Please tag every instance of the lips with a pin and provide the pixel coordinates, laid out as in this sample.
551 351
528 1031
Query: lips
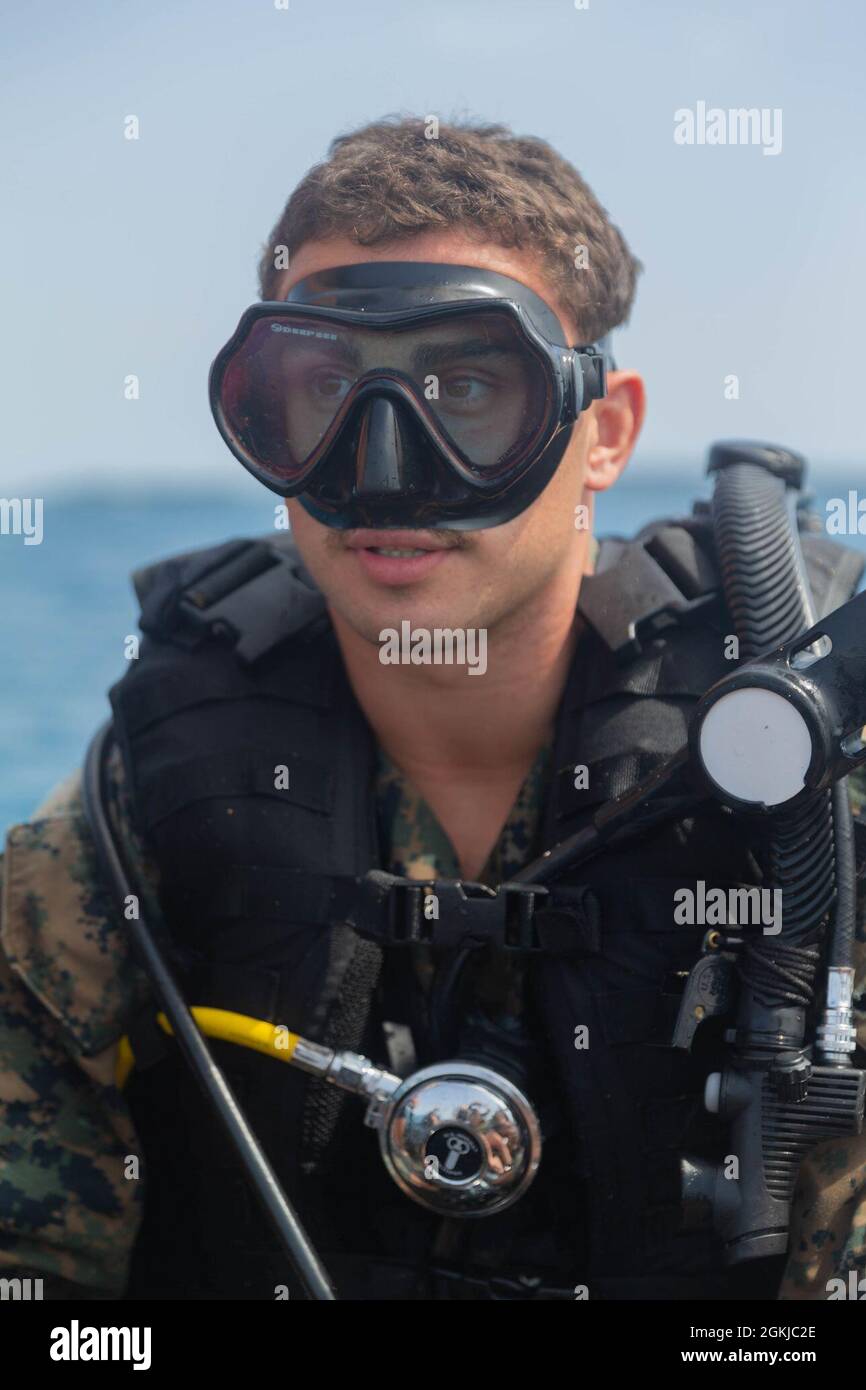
397 540
398 557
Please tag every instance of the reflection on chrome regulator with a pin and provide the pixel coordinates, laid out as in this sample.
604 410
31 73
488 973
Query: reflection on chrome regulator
456 1137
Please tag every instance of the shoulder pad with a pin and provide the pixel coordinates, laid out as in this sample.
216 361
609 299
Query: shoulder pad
669 574
252 593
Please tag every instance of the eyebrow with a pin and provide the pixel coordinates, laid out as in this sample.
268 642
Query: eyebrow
340 351
441 353
428 355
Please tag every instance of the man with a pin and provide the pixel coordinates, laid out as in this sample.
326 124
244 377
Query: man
242 776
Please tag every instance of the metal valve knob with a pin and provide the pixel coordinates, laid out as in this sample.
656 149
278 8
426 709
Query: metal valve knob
458 1138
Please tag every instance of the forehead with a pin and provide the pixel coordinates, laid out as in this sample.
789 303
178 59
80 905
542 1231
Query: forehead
448 248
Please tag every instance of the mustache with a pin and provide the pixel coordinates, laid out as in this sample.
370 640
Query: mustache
426 538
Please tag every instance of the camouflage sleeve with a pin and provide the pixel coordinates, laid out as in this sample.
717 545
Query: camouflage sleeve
828 1216
68 1212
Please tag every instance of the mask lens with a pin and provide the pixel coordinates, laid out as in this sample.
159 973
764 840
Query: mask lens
474 378
485 388
282 388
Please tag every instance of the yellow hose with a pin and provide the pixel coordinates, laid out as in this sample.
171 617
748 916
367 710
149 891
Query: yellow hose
124 1063
273 1039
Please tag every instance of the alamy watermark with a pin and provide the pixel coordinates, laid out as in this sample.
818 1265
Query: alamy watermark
438 646
21 1290
22 516
846 516
854 1289
733 907
77 1343
738 125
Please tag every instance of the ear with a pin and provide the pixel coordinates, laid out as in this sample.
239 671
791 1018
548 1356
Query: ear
616 421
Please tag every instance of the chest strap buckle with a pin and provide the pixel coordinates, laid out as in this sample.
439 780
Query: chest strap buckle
443 912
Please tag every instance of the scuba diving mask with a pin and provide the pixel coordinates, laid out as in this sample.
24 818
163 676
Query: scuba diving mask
404 394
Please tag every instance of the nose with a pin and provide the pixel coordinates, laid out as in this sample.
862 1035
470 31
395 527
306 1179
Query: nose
388 455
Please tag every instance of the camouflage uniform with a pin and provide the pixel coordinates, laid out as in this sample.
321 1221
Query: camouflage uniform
69 1212
67 988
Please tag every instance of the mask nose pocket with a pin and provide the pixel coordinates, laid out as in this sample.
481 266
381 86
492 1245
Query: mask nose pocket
383 453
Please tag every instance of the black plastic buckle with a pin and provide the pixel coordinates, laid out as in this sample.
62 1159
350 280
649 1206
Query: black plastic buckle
248 600
593 365
635 600
210 603
448 912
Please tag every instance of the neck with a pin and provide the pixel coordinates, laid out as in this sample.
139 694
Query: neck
439 723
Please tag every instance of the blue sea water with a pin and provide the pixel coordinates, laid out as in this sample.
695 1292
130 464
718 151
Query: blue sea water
67 605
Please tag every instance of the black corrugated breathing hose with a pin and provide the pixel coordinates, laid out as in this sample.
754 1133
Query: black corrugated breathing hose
810 851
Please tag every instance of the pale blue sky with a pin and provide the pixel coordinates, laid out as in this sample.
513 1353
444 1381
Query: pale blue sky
138 257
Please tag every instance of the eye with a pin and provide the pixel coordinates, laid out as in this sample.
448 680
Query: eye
466 390
329 386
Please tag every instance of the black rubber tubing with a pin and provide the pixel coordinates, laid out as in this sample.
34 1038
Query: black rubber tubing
768 595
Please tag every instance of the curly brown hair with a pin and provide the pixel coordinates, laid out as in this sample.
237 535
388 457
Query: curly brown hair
393 179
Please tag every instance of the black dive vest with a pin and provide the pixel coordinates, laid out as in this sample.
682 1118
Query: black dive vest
240 675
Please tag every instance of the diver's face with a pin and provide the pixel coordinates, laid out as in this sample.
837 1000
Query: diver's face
461 579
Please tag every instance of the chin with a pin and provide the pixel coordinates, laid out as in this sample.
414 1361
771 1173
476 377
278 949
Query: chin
371 620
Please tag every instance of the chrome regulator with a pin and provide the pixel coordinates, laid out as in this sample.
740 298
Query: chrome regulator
456 1137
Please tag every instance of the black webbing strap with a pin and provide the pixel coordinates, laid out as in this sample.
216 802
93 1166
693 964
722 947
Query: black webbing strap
401 912
172 691
239 773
